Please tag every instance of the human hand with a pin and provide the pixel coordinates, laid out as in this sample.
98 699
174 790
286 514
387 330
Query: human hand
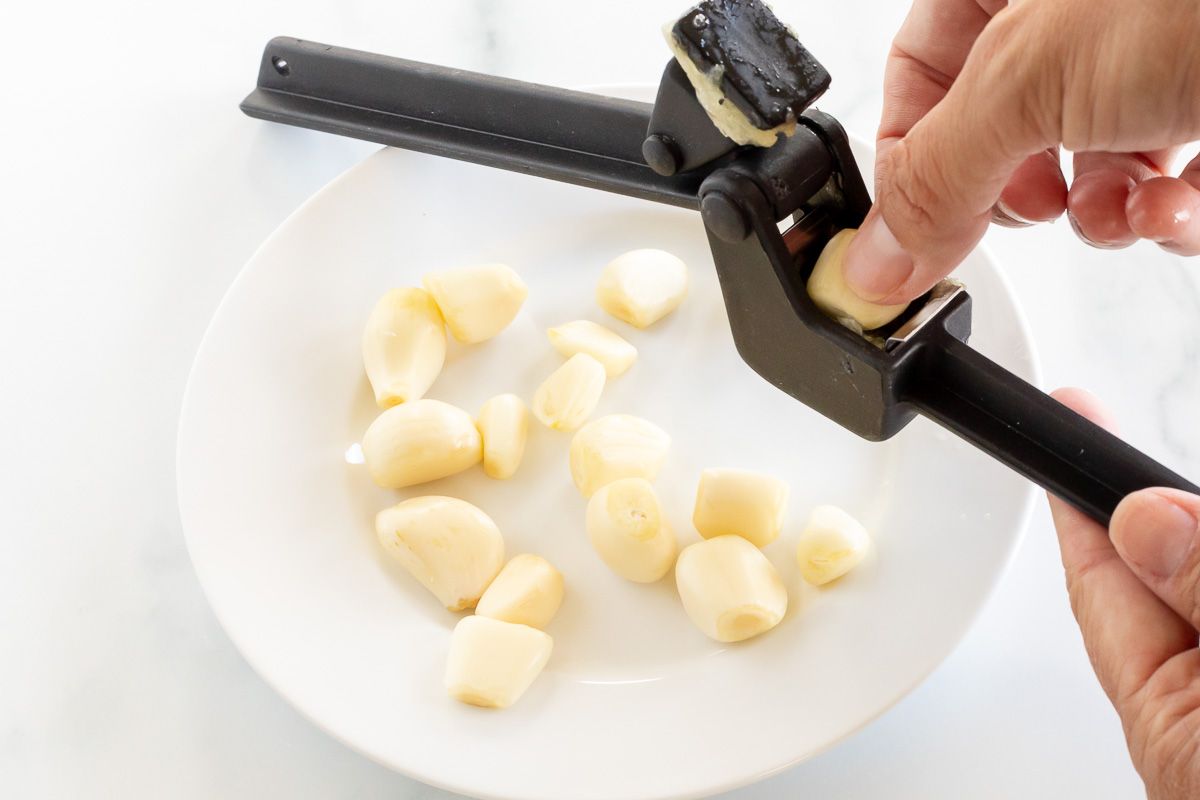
1135 590
978 97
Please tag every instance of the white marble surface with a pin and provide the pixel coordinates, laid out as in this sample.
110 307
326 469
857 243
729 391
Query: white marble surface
132 190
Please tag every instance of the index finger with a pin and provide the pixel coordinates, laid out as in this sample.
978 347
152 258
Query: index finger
926 56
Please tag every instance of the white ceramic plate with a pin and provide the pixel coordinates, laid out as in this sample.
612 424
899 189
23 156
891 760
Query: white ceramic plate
635 702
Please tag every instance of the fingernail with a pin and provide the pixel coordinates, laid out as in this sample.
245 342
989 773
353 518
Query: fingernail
1163 210
1078 230
1154 533
876 264
1092 242
1002 214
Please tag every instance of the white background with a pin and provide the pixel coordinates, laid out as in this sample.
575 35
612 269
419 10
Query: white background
132 190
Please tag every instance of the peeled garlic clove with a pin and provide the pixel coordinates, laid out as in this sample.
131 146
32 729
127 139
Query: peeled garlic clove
477 301
628 530
833 543
492 663
742 503
403 346
616 446
569 396
504 425
584 336
420 441
729 589
449 545
642 286
528 591
827 288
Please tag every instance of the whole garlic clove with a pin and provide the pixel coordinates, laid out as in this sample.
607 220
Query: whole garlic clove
740 502
827 288
569 396
528 591
492 663
729 589
477 301
584 336
503 423
832 544
403 346
626 526
642 286
449 545
616 446
420 441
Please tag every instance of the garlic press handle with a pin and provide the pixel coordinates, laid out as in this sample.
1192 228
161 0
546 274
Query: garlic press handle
577 137
1034 434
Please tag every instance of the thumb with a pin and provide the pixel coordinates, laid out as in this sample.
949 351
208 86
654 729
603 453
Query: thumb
1157 533
935 188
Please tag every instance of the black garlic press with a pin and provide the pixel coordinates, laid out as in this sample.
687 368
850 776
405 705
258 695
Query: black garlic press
739 80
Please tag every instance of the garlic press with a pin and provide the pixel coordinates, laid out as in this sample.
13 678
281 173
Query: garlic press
732 134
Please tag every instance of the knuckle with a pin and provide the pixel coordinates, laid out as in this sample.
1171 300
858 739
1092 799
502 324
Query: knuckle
908 193
1169 750
1164 734
1019 59
1080 571
1193 595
